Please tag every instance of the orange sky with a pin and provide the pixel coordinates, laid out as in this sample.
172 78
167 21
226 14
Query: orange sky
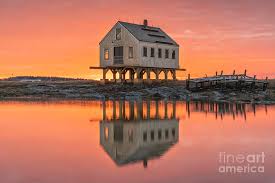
60 38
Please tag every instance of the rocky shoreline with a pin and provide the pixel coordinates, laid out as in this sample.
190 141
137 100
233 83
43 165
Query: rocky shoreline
92 90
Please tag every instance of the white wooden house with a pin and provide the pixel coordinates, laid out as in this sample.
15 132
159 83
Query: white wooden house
138 49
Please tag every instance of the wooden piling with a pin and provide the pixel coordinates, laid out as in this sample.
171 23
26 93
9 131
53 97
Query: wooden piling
187 81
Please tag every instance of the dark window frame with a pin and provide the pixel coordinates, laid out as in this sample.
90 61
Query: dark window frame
159 134
106 50
152 52
166 134
152 135
166 53
131 135
145 136
145 51
160 53
131 49
118 33
173 132
173 54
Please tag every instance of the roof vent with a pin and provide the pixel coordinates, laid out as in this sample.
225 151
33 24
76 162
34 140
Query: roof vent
145 22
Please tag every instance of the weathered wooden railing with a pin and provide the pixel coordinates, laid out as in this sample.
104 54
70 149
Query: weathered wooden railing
224 82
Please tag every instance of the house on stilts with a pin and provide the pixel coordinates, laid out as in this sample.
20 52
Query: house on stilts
140 51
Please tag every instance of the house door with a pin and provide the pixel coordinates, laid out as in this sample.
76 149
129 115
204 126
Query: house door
118 55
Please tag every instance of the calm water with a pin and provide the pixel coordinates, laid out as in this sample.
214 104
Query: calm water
132 141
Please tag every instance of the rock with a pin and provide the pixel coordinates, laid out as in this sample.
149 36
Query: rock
158 96
160 93
93 90
232 94
93 96
133 95
198 96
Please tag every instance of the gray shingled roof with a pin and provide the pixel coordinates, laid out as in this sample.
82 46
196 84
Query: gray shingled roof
148 33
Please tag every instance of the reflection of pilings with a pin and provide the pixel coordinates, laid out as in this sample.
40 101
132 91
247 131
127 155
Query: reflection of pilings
212 106
157 109
202 106
104 110
254 109
221 109
197 105
114 109
123 110
174 109
165 109
131 110
232 109
216 110
188 108
139 110
244 111
148 109
120 110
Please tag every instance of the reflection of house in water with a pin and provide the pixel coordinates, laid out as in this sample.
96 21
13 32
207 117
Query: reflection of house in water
137 137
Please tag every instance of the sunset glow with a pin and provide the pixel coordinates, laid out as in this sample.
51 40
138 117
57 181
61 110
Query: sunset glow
61 38
60 142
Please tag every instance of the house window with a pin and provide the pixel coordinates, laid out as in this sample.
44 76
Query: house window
118 33
106 54
144 136
118 133
159 134
166 134
152 135
159 52
145 51
174 54
131 135
106 133
131 52
166 53
152 52
173 132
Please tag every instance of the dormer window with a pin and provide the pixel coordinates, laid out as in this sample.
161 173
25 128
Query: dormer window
118 33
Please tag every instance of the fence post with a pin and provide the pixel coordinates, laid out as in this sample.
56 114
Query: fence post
187 81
